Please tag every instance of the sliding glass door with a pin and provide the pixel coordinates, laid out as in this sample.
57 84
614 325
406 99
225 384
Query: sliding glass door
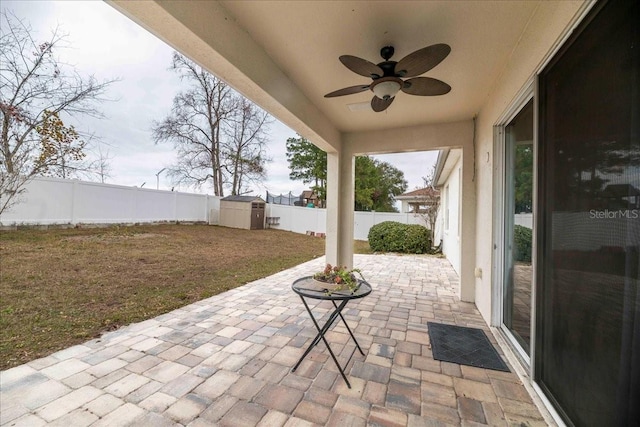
587 351
518 227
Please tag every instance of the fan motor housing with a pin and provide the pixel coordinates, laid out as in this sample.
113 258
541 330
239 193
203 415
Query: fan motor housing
388 67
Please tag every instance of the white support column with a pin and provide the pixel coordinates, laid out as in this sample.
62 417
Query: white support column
340 184
468 227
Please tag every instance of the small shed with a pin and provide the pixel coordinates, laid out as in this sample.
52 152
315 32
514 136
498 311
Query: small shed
242 212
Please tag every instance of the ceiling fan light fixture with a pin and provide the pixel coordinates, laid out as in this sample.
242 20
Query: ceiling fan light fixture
386 87
387 75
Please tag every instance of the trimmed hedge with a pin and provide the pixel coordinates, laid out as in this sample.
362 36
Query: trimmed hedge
522 238
391 236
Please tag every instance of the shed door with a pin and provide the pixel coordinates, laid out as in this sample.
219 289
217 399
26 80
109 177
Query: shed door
257 216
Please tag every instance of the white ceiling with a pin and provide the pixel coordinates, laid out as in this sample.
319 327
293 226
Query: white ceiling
305 40
284 54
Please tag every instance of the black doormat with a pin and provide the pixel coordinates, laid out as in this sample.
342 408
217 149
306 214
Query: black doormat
465 346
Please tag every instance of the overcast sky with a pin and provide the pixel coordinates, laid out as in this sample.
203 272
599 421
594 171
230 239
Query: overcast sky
105 43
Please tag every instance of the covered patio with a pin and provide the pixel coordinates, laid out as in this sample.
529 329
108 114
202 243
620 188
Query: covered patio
515 70
226 360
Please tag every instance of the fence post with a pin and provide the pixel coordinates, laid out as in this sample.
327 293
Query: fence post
134 212
74 195
175 206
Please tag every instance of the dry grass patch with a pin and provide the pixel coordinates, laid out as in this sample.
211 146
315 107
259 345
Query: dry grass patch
361 247
61 287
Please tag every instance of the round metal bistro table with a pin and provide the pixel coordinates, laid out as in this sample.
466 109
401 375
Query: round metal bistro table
308 288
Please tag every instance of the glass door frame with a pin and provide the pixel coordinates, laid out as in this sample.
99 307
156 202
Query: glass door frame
500 221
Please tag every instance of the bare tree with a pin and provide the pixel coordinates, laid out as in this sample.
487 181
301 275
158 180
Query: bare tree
100 166
12 188
218 135
245 152
35 89
431 202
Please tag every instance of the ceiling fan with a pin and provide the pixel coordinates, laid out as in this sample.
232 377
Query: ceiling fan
388 75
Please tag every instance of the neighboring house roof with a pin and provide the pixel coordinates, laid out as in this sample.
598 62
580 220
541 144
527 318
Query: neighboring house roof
309 194
245 199
418 194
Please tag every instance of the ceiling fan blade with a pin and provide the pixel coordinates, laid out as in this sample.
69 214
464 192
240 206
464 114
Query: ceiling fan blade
378 104
361 66
425 86
422 60
347 91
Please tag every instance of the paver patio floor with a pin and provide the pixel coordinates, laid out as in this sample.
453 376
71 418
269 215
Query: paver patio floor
226 361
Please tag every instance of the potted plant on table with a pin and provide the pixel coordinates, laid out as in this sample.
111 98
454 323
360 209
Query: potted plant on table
338 278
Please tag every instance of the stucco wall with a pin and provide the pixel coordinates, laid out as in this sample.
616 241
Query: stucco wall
451 227
546 30
433 137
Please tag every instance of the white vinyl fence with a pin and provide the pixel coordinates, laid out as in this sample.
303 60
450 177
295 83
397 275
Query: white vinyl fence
60 201
301 220
525 219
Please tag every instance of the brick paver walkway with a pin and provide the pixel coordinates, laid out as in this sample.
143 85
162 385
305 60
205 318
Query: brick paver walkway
226 361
